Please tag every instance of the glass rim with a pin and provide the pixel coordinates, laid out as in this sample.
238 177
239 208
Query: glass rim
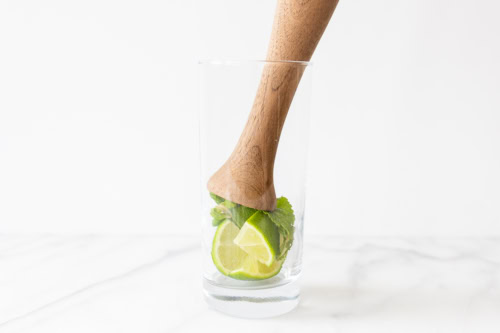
230 62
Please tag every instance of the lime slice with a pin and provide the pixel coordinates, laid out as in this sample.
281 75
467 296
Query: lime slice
260 238
232 261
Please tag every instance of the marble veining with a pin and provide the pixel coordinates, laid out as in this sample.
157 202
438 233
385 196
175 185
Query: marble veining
117 283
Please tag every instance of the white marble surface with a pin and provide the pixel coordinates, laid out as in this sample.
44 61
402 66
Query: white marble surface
96 283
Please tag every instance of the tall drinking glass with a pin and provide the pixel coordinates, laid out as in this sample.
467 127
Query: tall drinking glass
251 259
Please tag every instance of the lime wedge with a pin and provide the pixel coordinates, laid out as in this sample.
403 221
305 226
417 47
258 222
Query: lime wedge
254 270
260 238
232 261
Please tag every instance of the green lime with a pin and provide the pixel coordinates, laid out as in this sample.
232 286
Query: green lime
232 261
260 238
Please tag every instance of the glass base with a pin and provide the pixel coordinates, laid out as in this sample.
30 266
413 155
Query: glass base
266 302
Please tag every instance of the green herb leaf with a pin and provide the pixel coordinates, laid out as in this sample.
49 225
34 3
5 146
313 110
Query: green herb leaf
226 209
216 198
218 215
221 212
284 218
240 214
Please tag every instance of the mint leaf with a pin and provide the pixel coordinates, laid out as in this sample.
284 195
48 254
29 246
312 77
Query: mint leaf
222 212
284 218
240 214
226 209
228 204
216 198
218 215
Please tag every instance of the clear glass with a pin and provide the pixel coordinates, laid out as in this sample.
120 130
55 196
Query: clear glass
227 92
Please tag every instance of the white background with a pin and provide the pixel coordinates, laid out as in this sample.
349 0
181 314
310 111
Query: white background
98 104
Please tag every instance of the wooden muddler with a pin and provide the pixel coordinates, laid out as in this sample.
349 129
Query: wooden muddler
247 176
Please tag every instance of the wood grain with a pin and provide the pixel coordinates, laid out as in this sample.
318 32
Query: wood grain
247 176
